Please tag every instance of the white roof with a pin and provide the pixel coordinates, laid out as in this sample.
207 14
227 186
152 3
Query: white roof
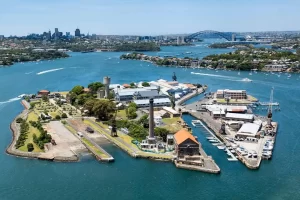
249 129
223 107
171 110
125 92
239 116
156 101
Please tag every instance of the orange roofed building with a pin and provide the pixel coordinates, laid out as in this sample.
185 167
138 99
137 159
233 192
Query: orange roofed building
44 92
186 144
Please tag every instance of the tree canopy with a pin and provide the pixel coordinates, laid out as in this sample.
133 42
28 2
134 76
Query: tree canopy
95 86
103 108
77 90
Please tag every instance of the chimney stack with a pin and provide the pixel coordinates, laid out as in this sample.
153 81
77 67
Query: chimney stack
151 120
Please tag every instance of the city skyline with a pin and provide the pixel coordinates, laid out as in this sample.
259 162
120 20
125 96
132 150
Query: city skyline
132 17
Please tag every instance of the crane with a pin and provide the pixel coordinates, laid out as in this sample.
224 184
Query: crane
270 108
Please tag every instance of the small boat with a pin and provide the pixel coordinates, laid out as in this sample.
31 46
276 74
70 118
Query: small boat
22 96
221 147
210 138
216 144
213 141
246 80
232 151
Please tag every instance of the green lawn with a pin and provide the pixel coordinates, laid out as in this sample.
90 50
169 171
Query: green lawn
31 117
121 114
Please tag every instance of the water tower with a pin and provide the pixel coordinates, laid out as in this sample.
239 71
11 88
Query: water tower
106 82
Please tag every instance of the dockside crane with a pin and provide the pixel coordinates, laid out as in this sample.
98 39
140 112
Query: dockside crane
270 114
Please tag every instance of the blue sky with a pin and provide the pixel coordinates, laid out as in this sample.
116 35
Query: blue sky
151 17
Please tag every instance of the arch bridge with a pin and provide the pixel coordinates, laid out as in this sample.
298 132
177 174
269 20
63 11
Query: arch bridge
229 36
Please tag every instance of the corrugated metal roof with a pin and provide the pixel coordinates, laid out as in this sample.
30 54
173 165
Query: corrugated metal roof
249 128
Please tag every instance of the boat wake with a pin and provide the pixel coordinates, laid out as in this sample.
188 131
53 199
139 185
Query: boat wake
48 71
213 75
10 100
28 73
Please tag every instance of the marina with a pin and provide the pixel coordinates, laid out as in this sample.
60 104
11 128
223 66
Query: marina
215 140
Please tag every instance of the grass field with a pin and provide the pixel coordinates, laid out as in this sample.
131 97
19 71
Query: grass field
31 117
171 124
121 114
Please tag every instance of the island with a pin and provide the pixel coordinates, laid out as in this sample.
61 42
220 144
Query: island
11 56
140 118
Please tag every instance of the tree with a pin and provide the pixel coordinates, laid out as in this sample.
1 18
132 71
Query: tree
82 98
30 147
103 108
132 113
298 51
143 119
95 86
132 85
77 90
162 132
64 115
111 95
19 120
72 97
57 117
45 98
89 104
145 84
132 104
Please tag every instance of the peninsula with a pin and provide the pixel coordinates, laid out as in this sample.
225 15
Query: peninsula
11 56
249 59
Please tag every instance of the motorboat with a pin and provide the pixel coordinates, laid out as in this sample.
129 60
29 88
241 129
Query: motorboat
213 141
210 138
246 80
22 96
221 147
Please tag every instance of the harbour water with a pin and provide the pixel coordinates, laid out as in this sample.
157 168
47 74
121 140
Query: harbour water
129 178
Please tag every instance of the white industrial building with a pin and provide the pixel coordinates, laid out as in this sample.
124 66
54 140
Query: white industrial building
248 130
221 110
239 117
232 94
157 102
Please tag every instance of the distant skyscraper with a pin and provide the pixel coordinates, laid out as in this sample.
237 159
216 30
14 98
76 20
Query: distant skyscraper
49 35
68 34
77 32
1 37
56 33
